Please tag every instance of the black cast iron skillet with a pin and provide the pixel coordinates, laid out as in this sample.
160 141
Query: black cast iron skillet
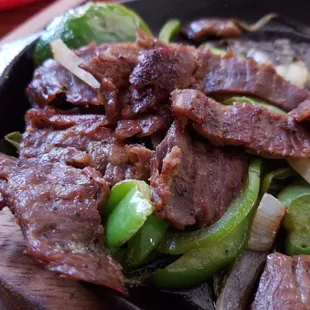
18 74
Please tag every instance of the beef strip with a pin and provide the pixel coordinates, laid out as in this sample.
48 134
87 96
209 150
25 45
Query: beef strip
144 125
112 68
81 141
233 75
51 80
285 283
192 181
56 207
258 129
214 27
158 72
161 70
302 112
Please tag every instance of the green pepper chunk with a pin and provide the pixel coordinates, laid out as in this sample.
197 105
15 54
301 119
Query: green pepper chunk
145 240
180 243
297 219
217 51
199 264
128 215
279 174
14 138
253 101
169 30
92 22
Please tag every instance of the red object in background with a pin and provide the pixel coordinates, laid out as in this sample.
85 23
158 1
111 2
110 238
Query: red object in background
9 4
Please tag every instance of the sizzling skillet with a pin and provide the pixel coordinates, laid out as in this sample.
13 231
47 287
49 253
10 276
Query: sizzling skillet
18 74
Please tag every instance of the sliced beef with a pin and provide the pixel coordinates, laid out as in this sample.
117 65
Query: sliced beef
144 125
192 181
51 80
112 69
258 129
212 27
82 141
302 112
56 207
232 75
285 284
159 71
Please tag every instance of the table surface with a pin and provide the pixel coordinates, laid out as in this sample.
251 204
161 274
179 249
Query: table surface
14 17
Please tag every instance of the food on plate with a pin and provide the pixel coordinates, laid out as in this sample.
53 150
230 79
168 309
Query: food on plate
175 161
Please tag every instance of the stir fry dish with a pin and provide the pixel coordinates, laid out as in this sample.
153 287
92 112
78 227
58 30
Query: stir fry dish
194 159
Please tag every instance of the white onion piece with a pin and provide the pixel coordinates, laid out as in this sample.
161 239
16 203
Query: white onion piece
259 56
71 62
302 166
266 223
296 73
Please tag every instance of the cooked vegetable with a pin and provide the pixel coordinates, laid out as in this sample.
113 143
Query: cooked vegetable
92 22
302 166
266 224
279 174
128 215
179 243
297 220
198 264
14 138
253 101
241 281
145 240
117 193
297 73
258 25
170 30
71 61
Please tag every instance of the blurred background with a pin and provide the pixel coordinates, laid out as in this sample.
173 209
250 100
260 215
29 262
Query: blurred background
15 12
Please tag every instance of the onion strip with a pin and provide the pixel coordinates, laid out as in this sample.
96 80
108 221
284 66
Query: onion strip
71 62
266 223
259 24
302 166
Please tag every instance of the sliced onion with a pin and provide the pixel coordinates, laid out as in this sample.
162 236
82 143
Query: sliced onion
259 24
302 166
296 73
266 223
71 62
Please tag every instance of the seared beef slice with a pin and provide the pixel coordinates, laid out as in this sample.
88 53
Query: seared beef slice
57 209
82 141
192 181
285 284
258 129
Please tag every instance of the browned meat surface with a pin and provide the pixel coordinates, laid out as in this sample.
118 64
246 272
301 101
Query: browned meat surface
302 112
52 79
144 125
235 76
158 72
213 27
259 130
57 209
285 284
82 141
192 181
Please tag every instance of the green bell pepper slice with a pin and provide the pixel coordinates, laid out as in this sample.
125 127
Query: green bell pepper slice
253 101
297 219
145 241
92 22
169 30
199 264
279 174
14 138
180 243
129 213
